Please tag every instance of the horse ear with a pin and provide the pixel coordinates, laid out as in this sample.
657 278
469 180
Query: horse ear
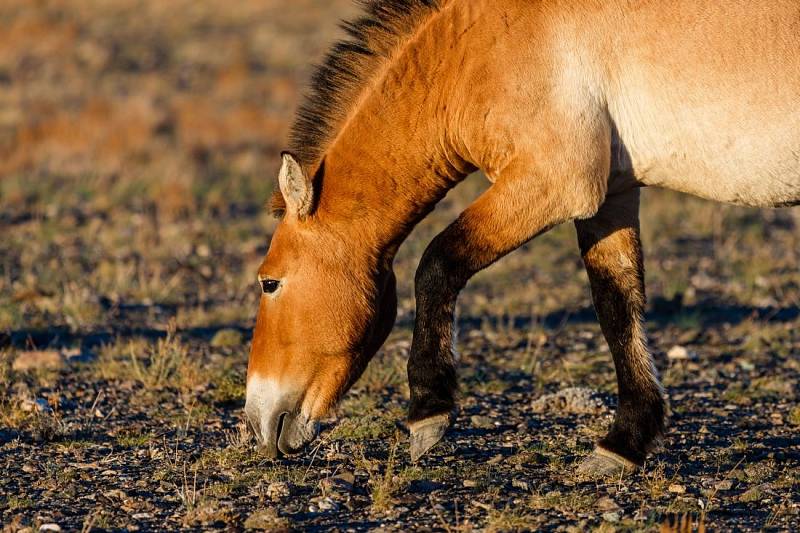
296 188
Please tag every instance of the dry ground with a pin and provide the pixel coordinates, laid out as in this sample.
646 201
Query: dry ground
138 141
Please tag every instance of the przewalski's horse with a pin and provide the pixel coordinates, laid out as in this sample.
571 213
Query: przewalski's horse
568 106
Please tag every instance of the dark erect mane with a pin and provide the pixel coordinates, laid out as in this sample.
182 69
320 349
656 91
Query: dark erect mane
348 66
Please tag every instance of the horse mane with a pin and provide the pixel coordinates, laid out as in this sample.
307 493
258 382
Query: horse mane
340 79
348 66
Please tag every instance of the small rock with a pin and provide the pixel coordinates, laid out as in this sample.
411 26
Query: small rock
678 353
267 519
481 422
142 516
115 494
677 488
50 527
725 484
321 505
277 490
751 495
520 484
38 360
612 517
470 483
484 506
606 504
746 365
227 338
573 400
343 483
39 405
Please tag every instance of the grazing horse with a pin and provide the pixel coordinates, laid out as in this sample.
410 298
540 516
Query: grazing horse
568 107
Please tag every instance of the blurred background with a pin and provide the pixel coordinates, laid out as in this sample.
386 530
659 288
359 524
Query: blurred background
138 147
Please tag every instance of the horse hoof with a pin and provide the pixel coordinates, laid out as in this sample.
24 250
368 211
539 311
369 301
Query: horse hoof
426 433
605 464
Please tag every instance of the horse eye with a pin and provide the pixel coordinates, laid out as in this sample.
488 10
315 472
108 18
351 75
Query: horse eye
268 286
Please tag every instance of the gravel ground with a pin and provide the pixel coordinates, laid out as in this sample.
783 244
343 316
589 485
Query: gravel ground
120 454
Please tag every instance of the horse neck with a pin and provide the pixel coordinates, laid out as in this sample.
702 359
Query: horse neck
396 157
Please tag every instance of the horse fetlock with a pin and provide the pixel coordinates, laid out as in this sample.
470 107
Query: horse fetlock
637 430
426 433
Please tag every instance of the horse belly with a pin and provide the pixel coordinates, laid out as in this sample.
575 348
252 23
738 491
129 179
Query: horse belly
721 151
744 171
713 109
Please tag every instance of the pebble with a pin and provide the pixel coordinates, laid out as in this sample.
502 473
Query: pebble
267 519
606 504
746 365
520 484
50 527
612 517
481 422
677 488
679 353
573 400
277 490
725 484
39 405
323 504
470 483
115 494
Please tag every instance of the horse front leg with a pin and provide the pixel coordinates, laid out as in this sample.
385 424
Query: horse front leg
612 254
521 204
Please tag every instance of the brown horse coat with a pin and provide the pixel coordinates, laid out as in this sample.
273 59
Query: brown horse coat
568 107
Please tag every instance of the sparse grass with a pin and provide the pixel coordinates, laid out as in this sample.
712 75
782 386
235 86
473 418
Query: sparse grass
229 389
385 487
794 416
16 503
509 518
363 419
167 363
133 439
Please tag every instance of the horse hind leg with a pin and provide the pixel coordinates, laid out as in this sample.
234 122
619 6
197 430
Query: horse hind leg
611 250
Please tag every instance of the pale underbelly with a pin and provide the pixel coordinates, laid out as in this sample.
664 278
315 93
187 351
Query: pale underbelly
752 172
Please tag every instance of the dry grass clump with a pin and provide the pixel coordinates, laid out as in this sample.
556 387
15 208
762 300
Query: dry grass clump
166 363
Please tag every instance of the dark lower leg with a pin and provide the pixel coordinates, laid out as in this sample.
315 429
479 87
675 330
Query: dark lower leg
611 251
510 213
431 365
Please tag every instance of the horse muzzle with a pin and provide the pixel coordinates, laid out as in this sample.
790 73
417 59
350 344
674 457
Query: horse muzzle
275 419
